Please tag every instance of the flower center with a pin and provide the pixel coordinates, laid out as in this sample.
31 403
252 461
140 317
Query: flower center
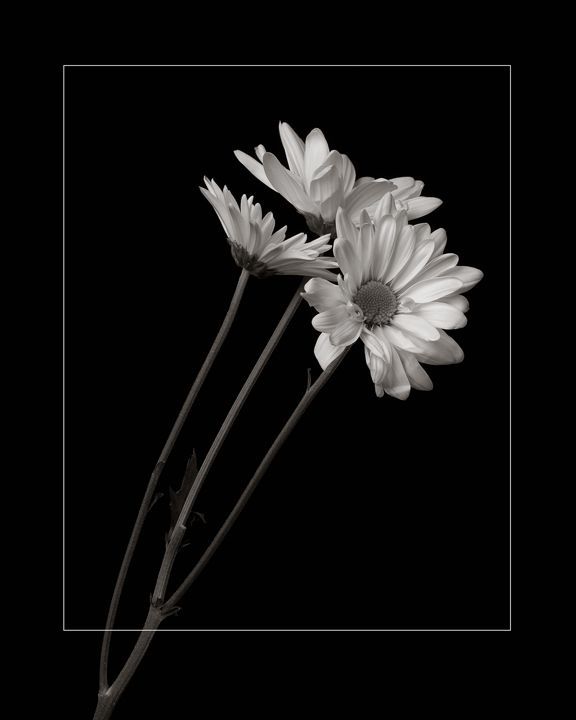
377 301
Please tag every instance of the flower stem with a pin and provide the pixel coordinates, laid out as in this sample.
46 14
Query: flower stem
107 699
153 482
180 526
301 408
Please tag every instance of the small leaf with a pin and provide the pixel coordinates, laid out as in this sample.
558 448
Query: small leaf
178 497
158 496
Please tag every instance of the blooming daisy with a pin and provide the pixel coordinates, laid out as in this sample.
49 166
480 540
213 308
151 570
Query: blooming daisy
407 196
399 294
318 181
257 248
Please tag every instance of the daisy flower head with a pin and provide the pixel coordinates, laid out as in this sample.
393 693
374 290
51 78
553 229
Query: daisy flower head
257 248
399 292
317 181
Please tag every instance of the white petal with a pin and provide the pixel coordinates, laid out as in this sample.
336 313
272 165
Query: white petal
384 206
365 195
468 276
322 294
459 301
418 377
384 240
349 260
315 152
345 227
293 147
415 325
398 339
432 289
396 382
442 315
405 187
328 320
326 190
366 246
260 150
435 267
423 232
348 175
444 351
439 237
376 365
286 184
326 352
254 166
414 265
420 206
403 251
346 332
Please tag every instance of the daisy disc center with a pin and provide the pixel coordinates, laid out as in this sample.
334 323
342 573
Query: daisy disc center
377 301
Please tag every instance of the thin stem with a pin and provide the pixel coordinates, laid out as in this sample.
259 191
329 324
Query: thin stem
107 699
180 526
153 482
301 408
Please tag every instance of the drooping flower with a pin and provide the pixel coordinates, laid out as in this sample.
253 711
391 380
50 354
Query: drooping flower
407 196
317 181
399 293
257 248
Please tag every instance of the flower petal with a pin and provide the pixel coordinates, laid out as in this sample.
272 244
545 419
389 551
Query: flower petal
396 382
345 228
349 260
405 188
348 175
286 184
459 301
376 344
384 241
365 195
403 251
415 325
435 268
293 147
322 294
398 339
325 352
254 166
444 351
328 320
415 264
468 276
439 237
442 315
432 289
346 332
420 206
419 378
315 152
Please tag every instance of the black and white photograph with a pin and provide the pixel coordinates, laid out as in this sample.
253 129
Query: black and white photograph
287 362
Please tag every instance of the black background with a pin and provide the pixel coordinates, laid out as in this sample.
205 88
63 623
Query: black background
377 513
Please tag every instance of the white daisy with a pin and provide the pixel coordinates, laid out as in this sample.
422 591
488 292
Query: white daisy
407 196
318 181
257 248
399 293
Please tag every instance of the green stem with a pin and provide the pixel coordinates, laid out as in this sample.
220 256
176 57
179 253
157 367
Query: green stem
153 482
180 526
301 408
